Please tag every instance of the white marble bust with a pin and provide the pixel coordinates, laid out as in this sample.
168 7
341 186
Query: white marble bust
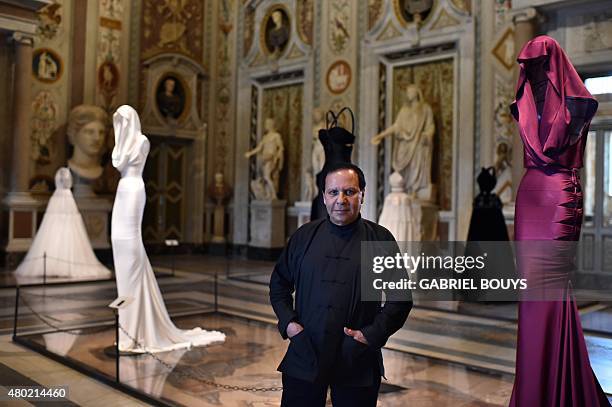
87 133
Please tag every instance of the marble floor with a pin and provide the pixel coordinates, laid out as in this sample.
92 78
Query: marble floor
462 354
249 358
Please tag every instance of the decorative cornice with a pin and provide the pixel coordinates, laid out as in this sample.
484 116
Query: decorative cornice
23 38
523 15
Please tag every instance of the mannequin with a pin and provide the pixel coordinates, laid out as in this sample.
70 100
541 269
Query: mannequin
145 318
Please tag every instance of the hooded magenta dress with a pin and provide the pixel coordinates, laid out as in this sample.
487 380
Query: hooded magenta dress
553 110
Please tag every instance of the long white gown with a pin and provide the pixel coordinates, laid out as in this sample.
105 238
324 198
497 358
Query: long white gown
145 318
63 238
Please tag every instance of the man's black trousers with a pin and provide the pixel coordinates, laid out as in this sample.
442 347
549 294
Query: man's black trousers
298 393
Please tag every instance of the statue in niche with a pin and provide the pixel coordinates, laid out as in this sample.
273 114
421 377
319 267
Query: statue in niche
317 158
269 162
414 129
277 32
87 133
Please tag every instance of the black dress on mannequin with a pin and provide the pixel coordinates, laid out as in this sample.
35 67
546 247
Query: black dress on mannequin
487 223
338 146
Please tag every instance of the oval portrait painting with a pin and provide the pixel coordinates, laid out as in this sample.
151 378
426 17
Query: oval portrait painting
276 30
170 96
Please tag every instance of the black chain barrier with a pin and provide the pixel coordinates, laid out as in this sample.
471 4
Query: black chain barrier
139 345
197 378
77 263
59 329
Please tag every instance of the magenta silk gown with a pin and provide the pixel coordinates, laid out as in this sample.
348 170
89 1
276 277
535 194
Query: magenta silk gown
553 110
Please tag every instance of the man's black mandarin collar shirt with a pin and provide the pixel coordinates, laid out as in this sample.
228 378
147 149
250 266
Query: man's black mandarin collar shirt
321 264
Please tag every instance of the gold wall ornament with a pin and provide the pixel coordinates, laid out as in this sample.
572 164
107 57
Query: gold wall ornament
305 21
505 49
339 25
44 123
50 17
375 8
444 20
463 5
249 29
172 26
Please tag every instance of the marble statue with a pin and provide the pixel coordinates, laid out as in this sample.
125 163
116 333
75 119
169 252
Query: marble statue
317 158
87 133
145 318
413 129
269 162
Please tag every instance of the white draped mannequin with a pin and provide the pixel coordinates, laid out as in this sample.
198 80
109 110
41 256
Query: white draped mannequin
145 318
397 211
63 238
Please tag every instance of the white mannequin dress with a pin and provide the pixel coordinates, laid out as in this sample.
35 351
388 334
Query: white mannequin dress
63 238
397 213
145 318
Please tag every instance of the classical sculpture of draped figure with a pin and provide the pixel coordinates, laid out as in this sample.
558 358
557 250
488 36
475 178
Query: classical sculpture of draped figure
413 129
553 110
145 318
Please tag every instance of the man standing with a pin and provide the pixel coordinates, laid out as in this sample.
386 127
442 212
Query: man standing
335 338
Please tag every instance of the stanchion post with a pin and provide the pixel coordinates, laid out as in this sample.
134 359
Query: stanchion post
45 268
117 343
16 312
173 248
216 291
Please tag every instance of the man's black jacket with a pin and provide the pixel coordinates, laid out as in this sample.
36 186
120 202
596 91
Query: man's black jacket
321 263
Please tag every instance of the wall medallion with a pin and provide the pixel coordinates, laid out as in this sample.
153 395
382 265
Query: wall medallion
338 77
46 65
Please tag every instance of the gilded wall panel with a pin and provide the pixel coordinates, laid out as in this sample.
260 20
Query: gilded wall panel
305 22
172 26
375 9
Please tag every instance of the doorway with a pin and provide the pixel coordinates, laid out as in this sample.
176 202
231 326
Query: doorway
596 255
164 177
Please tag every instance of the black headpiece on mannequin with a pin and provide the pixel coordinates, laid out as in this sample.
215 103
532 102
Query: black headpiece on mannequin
338 146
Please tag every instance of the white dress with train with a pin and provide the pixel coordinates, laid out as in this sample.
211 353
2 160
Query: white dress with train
61 247
145 318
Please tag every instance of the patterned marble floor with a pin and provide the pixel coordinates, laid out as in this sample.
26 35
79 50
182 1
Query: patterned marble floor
249 358
442 354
